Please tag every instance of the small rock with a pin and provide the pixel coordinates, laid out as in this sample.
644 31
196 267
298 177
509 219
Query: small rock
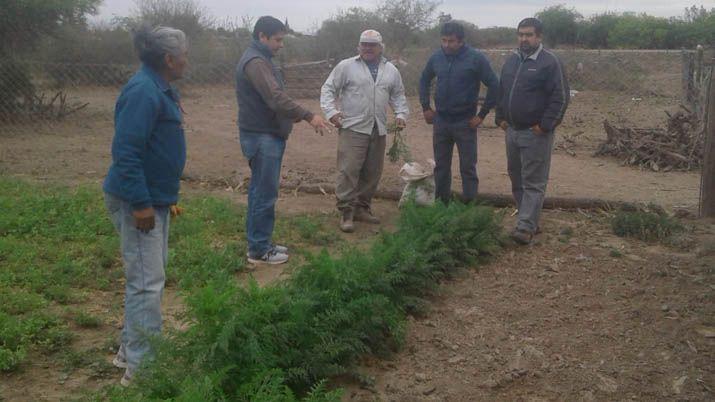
421 377
607 384
678 384
429 391
456 359
708 332
490 383
635 258
665 308
587 396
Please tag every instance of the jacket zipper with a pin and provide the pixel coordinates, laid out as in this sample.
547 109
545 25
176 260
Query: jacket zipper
511 93
449 79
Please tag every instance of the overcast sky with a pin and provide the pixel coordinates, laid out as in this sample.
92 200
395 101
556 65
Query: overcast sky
305 15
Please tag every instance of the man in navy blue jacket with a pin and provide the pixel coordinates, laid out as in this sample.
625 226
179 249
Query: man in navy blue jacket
533 96
460 70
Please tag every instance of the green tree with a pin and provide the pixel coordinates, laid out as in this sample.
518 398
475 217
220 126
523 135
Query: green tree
23 22
338 35
594 32
642 32
404 19
186 15
560 25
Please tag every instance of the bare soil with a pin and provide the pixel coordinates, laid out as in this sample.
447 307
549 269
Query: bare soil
580 315
78 150
585 317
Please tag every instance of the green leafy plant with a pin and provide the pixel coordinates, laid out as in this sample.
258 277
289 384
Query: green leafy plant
645 225
399 149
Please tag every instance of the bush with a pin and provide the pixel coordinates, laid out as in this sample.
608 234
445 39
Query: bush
645 225
15 89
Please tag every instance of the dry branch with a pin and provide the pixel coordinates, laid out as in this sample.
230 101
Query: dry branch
678 146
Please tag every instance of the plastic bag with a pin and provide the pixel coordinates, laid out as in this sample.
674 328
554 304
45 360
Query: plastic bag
419 183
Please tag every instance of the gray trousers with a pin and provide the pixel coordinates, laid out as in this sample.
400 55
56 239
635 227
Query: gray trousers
528 162
360 161
445 135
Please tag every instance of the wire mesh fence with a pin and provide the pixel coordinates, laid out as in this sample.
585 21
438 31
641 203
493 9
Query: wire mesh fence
34 92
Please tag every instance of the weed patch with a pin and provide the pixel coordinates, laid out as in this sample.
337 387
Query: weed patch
645 225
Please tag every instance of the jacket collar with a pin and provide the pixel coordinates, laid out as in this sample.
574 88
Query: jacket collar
460 52
158 80
383 60
263 49
534 55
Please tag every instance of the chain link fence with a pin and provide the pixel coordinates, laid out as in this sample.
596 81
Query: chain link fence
33 93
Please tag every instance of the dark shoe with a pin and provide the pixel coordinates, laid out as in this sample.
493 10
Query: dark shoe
365 215
346 222
521 236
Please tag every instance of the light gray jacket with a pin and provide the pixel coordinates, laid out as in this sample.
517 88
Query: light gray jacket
350 90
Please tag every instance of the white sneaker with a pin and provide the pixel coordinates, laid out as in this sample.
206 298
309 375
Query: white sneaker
272 257
277 247
126 379
120 359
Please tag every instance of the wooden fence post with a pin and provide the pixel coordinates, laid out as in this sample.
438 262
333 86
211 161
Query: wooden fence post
707 182
687 77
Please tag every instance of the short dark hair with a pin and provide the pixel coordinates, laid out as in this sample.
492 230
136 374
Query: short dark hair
268 26
532 22
452 28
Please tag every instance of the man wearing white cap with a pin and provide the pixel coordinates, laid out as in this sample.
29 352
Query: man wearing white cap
355 98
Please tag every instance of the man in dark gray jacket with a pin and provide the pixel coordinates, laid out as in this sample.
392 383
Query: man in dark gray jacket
531 102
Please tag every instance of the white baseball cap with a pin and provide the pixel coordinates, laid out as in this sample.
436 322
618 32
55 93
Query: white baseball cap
371 36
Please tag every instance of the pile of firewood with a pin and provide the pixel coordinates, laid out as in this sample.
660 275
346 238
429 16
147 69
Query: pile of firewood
677 147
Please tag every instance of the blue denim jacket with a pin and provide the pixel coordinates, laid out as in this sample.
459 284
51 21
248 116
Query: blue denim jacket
149 149
458 81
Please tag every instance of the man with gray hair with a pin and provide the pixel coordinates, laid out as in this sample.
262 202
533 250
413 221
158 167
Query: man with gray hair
142 185
355 98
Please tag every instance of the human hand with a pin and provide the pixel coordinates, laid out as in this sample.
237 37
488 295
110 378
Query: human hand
475 122
319 124
337 120
429 116
536 129
144 219
175 211
504 125
400 123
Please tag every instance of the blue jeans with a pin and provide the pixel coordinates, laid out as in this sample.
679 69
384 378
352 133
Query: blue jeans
145 256
265 156
445 135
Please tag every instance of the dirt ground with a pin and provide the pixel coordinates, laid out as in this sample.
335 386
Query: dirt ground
78 150
580 315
